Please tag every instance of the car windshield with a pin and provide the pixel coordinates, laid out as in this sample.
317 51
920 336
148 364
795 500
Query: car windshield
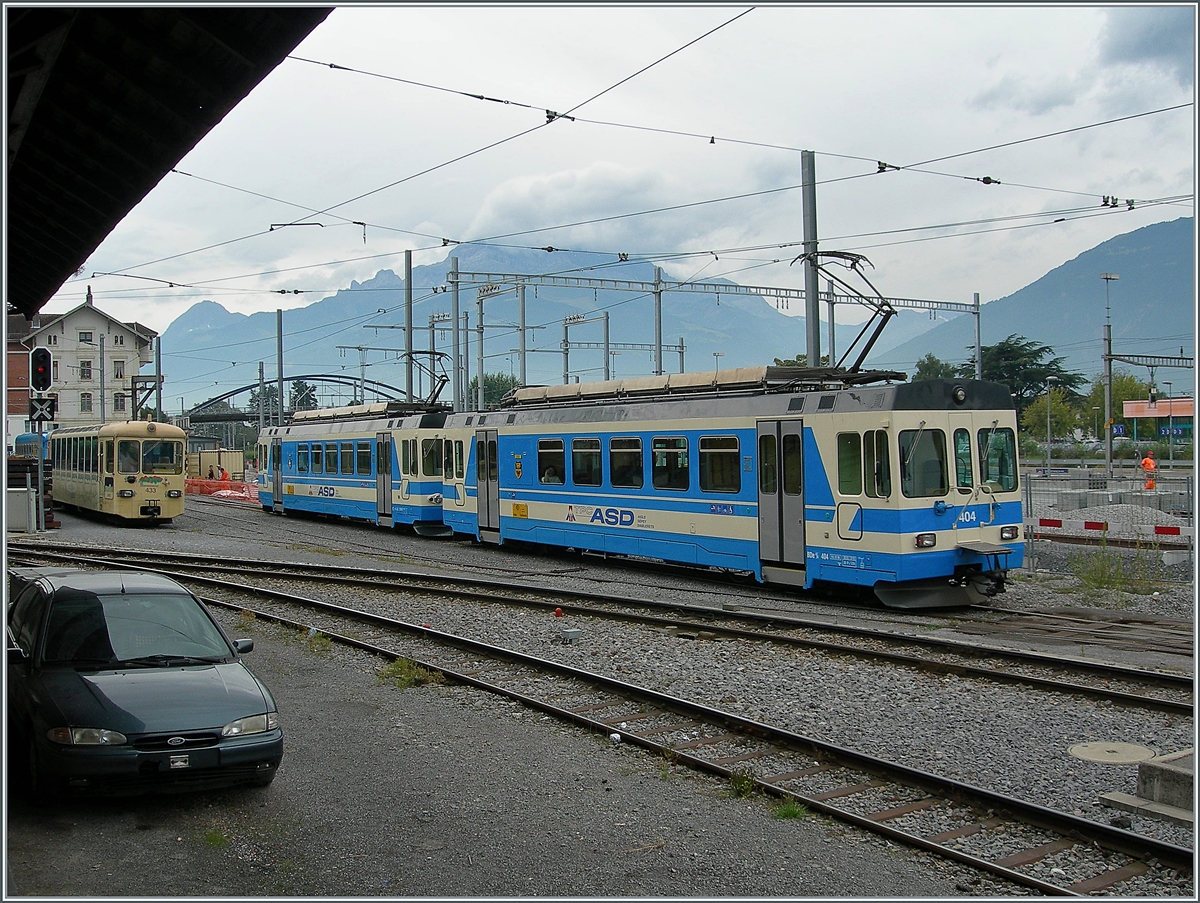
139 629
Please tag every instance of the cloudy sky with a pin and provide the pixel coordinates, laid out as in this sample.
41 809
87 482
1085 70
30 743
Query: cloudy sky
686 137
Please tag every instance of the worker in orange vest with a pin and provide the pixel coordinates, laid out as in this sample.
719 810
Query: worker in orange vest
1150 467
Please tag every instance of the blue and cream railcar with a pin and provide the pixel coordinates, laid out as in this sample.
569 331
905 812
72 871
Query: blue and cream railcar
908 490
31 445
131 470
367 462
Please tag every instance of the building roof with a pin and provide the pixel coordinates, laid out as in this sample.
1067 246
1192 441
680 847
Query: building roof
102 102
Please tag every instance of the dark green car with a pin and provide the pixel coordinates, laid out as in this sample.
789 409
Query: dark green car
122 682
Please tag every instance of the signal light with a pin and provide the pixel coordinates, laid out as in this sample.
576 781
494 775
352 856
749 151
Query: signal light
41 364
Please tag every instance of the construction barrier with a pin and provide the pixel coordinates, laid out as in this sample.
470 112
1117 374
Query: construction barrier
1099 526
233 490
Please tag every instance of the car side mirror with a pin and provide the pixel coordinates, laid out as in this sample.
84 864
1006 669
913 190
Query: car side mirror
243 645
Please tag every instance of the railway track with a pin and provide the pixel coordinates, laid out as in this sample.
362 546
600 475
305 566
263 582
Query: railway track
1049 851
1155 690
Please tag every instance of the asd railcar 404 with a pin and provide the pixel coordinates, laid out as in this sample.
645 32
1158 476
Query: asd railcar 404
131 470
907 490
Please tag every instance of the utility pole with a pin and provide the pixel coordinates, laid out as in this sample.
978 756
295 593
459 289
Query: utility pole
978 342
454 358
408 326
658 366
1108 417
101 377
812 310
521 329
279 359
261 389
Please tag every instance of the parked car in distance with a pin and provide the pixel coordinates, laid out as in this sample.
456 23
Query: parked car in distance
123 682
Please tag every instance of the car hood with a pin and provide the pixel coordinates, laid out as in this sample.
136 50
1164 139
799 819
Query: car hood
153 700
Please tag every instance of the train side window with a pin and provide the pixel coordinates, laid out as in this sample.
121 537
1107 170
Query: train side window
404 456
458 458
129 456
877 465
998 458
551 460
363 451
585 462
317 461
331 458
850 464
625 468
276 454
448 460
669 462
413 459
108 456
768 465
793 472
302 458
720 461
962 459
923 463
347 457
431 457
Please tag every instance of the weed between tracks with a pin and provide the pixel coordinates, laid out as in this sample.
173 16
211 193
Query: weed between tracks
741 783
404 673
1107 568
790 808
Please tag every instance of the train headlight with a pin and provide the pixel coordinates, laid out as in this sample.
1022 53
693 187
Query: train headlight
125 493
926 540
959 394
1007 533
174 494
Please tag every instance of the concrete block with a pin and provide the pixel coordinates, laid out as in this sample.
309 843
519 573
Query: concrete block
1172 558
1072 499
1139 806
1168 779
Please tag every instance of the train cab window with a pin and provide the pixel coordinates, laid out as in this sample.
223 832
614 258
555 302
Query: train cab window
998 458
551 461
404 456
625 468
923 463
877 464
431 457
362 452
347 449
448 462
108 456
585 462
302 458
129 456
162 456
720 469
414 460
669 462
962 460
849 457
458 459
331 457
768 465
793 460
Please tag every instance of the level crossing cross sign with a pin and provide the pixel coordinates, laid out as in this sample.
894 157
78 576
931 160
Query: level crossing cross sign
42 409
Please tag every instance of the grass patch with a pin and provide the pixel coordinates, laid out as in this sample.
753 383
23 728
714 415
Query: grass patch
215 837
790 808
1107 568
318 642
741 783
246 619
303 547
404 673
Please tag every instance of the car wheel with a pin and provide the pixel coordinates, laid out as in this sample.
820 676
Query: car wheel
40 788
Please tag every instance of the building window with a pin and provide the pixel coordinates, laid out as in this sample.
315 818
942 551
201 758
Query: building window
51 339
118 402
118 369
54 370
118 340
85 337
85 370
85 402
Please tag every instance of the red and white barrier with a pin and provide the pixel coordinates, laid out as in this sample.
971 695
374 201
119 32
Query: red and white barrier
1100 526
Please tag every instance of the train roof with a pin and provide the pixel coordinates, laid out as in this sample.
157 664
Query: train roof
737 381
141 428
379 411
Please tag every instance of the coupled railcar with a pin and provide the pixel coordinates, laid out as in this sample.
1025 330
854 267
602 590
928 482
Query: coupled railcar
907 490
131 471
367 462
31 445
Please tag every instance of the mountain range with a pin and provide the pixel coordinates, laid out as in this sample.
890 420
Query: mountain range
356 331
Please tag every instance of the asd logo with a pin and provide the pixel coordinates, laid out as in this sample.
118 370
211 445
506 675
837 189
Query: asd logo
614 517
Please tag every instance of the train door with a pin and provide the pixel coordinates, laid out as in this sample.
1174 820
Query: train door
487 481
781 500
107 466
277 473
383 478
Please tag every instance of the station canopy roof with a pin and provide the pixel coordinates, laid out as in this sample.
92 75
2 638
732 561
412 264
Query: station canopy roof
103 102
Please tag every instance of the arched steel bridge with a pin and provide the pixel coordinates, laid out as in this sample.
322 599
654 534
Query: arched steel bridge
384 392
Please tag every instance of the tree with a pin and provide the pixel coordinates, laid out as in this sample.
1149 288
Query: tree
929 367
270 395
1064 417
801 360
1125 387
495 387
302 397
1021 364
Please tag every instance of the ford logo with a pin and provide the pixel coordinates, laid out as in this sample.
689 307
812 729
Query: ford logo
176 741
